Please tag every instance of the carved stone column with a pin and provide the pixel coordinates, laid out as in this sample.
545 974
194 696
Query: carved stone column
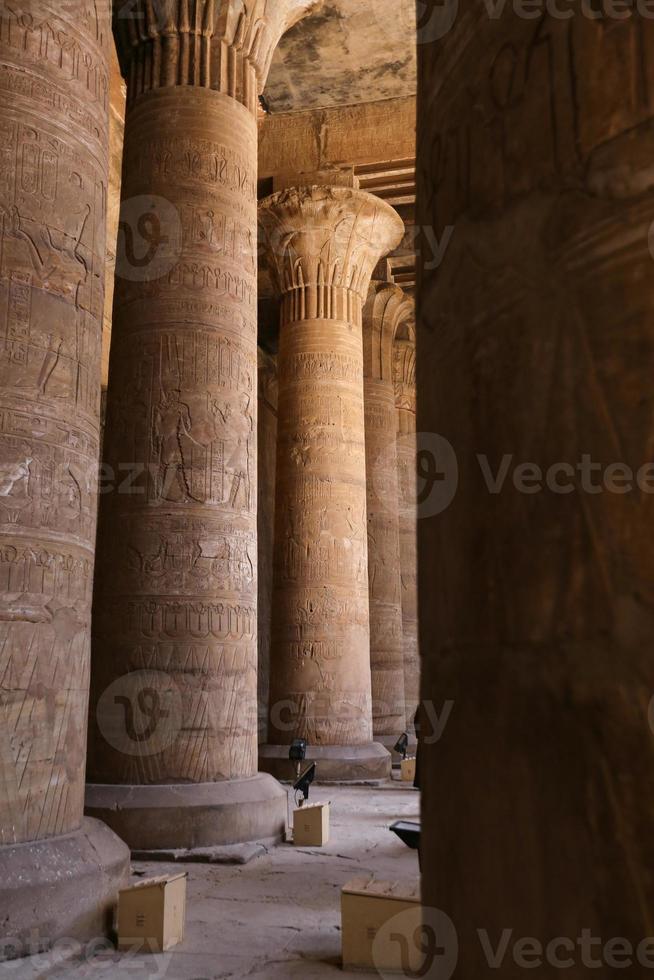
385 310
536 344
53 189
174 724
404 372
323 243
267 461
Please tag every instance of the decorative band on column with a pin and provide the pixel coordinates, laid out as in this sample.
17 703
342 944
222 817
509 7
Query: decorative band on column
321 301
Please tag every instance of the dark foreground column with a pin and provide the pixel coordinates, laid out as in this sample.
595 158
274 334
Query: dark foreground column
536 350
323 243
59 874
174 692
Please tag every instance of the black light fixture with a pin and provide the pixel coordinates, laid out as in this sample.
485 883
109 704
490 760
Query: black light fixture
402 745
303 782
298 753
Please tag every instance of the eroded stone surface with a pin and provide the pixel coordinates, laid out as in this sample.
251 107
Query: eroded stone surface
323 243
53 187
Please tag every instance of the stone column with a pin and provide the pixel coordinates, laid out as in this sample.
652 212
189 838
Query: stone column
323 243
536 342
174 692
53 190
267 461
385 309
404 370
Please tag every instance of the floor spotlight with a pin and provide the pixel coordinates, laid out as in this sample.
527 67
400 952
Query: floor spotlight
303 782
402 745
298 753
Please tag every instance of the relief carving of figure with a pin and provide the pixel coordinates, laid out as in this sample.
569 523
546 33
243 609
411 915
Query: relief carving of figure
15 488
239 426
171 445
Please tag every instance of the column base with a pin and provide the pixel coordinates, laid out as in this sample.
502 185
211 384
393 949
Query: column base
335 763
60 888
192 815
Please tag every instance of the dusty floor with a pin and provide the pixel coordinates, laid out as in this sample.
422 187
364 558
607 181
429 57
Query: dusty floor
277 918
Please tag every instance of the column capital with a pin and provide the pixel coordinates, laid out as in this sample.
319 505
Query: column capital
322 245
388 314
218 44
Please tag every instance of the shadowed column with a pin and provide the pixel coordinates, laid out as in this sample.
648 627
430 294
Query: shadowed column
53 196
536 357
174 725
323 243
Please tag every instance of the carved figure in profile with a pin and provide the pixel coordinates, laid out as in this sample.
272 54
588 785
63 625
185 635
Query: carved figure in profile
239 426
171 435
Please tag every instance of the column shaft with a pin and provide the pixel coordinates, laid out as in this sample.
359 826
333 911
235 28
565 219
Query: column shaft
174 725
320 608
53 191
384 577
536 341
405 400
385 311
176 583
320 657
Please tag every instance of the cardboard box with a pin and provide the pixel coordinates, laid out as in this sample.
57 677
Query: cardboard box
408 770
151 914
311 825
380 923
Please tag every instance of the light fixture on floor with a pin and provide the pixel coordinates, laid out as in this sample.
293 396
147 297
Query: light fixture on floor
298 753
303 782
402 745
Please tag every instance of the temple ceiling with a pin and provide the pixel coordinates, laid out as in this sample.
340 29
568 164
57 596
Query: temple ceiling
351 51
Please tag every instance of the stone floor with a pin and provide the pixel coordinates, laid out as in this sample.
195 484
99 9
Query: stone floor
276 918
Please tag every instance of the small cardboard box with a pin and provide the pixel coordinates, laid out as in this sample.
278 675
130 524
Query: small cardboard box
380 921
311 825
151 914
408 770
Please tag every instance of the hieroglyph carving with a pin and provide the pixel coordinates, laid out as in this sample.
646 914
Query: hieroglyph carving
53 188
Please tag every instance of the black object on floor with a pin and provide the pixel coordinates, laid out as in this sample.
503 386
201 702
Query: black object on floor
409 833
